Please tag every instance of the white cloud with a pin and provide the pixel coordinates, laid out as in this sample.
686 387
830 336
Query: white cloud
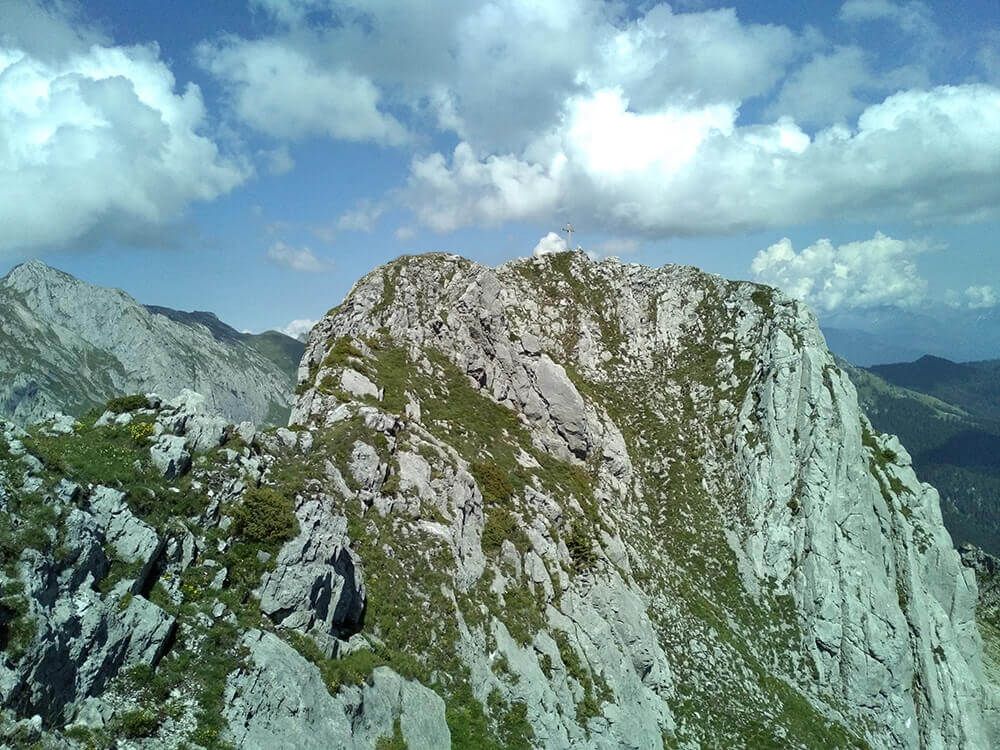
469 191
405 233
47 29
981 297
96 144
277 161
911 17
825 89
278 90
361 218
695 170
296 258
550 243
298 328
704 57
616 247
497 72
879 271
639 118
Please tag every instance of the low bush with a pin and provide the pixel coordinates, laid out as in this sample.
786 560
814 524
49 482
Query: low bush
492 481
123 404
264 516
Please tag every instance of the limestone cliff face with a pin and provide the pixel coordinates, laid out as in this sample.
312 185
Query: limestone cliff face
66 345
741 558
556 504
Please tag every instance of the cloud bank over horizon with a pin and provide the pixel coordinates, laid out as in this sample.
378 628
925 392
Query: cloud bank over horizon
867 273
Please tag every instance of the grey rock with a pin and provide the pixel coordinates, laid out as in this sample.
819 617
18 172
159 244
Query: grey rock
358 385
317 583
187 415
286 436
170 456
83 639
67 345
793 511
133 540
565 405
280 700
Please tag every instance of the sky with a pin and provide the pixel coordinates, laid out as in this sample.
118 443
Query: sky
254 158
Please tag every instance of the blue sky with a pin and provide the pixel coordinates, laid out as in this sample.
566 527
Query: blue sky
255 158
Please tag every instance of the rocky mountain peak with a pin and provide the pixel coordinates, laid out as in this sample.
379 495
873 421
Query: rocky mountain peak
714 439
67 345
33 273
559 503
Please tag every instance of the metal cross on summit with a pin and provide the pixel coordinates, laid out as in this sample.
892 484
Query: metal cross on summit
568 229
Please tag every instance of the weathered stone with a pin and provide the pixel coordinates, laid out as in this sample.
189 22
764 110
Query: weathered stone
170 456
133 540
316 584
280 700
357 384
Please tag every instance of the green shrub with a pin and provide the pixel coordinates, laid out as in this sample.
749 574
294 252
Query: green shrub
764 299
492 481
342 351
500 525
16 628
141 722
581 547
396 742
265 516
123 404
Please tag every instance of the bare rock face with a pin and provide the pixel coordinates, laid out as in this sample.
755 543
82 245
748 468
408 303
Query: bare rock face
556 504
83 638
674 472
279 699
69 346
316 585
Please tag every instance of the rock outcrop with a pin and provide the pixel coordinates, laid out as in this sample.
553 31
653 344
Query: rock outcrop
70 346
280 699
556 504
737 492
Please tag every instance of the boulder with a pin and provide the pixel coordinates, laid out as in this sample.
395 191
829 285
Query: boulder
170 456
279 700
316 584
133 540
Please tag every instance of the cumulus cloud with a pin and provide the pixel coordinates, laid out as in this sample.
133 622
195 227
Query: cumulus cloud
638 118
879 271
298 328
296 258
981 297
278 90
97 144
704 57
361 218
550 243
682 171
825 89
496 72
278 161
616 247
912 17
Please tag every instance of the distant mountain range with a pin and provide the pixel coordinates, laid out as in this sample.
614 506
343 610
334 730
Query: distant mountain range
67 345
947 414
879 335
